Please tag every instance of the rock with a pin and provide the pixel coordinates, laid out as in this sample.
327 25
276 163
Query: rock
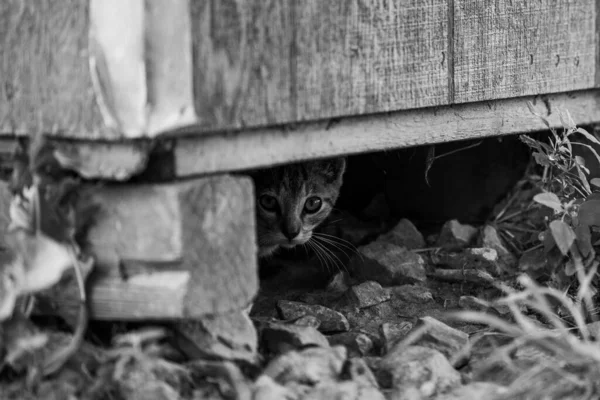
309 366
338 283
368 294
474 391
388 264
357 343
439 336
265 388
491 239
393 332
404 234
308 320
462 275
412 293
358 371
331 321
455 235
229 336
279 338
347 390
417 373
481 258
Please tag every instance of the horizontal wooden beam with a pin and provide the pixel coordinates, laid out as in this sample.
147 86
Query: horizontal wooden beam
269 146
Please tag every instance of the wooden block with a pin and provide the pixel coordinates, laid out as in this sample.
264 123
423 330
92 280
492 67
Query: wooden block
174 250
269 146
521 47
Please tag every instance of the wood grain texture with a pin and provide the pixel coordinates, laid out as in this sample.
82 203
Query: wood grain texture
45 84
521 47
270 146
195 238
364 56
241 56
262 62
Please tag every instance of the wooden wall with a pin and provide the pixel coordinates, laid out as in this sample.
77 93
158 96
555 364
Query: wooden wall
150 67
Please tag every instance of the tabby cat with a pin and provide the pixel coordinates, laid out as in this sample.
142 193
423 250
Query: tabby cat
292 200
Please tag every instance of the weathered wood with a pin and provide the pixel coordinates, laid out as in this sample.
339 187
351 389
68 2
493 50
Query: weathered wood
141 64
45 83
242 62
269 146
175 250
108 69
521 47
358 57
103 160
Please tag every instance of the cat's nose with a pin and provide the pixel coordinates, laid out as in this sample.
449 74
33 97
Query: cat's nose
290 231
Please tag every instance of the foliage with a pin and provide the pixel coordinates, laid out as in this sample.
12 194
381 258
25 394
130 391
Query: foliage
568 192
554 362
41 249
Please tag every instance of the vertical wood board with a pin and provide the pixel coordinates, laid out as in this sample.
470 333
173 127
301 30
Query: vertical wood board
522 47
241 60
45 84
262 62
365 56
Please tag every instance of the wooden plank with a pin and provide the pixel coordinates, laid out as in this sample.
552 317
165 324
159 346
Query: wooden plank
357 57
141 64
269 146
174 250
514 48
241 57
45 84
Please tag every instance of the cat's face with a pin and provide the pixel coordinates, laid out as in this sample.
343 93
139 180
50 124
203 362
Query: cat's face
292 200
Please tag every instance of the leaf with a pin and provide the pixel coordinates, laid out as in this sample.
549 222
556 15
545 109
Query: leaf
589 213
590 148
541 159
532 110
583 178
595 182
588 135
566 120
563 235
549 200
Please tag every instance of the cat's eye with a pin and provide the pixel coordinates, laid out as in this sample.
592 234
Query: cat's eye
313 204
268 202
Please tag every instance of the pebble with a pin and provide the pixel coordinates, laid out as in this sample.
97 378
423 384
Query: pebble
357 343
368 294
330 320
418 372
404 234
279 337
393 332
388 264
455 235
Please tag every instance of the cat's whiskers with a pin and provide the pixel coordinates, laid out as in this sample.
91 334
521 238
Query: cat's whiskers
332 243
339 241
323 259
336 261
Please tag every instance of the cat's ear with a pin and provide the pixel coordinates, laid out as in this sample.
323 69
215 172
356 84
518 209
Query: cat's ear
335 168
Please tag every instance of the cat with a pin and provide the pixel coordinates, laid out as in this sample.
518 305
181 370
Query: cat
292 200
